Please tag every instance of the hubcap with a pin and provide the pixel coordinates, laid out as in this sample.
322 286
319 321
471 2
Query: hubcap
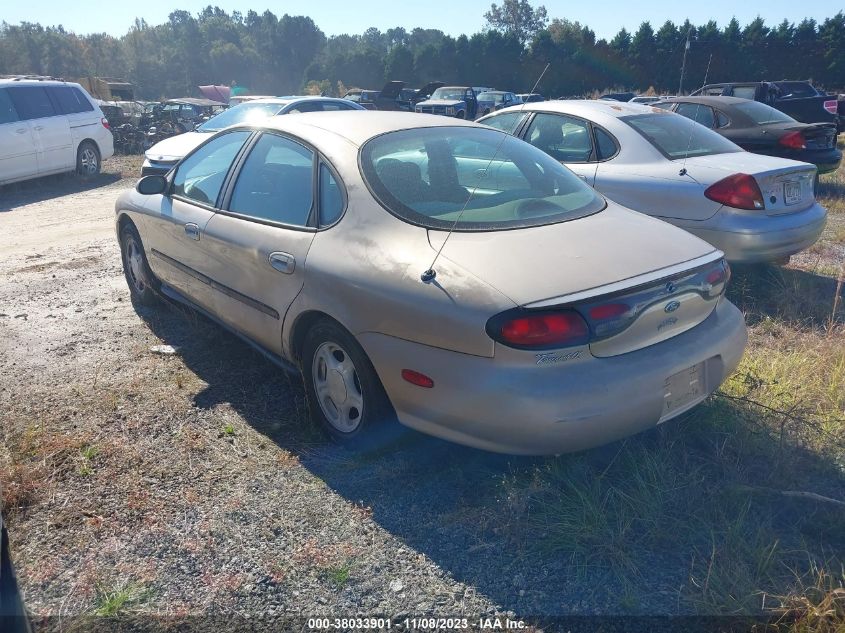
338 387
135 263
89 161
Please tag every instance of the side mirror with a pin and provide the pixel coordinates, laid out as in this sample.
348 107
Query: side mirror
152 185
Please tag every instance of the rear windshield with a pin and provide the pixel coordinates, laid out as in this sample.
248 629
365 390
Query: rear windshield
242 113
676 136
428 176
795 89
762 114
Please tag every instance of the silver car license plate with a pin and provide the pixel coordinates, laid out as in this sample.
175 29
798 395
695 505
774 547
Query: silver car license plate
792 191
682 390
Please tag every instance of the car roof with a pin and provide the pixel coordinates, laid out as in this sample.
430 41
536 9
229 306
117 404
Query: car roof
357 126
24 81
711 101
294 99
586 109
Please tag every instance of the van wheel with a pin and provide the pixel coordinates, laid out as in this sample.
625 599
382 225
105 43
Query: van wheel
142 283
461 115
345 395
87 160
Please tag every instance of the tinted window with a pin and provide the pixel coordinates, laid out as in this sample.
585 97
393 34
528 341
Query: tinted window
722 119
762 114
276 182
332 106
331 198
699 113
439 177
70 100
562 137
306 106
744 92
200 176
7 108
31 102
243 113
605 145
507 122
795 89
676 137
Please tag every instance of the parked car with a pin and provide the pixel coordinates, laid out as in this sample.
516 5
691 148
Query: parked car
365 98
531 97
799 99
647 99
618 96
761 129
50 127
394 96
313 238
496 100
161 157
754 208
455 101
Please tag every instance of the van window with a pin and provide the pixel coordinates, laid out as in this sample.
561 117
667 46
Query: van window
31 102
7 108
70 100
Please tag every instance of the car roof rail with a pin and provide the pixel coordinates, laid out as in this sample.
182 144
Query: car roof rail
31 78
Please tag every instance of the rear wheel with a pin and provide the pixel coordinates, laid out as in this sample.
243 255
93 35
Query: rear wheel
142 283
345 395
87 160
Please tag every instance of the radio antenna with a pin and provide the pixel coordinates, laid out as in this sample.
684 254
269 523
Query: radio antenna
683 171
430 273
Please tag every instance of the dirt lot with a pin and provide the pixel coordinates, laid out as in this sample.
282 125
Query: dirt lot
189 484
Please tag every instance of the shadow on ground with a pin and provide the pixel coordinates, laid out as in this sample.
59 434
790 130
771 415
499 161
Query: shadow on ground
41 189
682 519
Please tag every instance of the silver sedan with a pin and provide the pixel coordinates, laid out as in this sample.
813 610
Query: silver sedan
754 208
439 272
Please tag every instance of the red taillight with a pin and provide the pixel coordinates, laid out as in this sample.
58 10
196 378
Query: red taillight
418 379
544 330
105 123
608 311
831 106
739 191
793 140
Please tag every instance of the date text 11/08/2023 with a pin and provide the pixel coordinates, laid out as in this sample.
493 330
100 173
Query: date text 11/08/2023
422 623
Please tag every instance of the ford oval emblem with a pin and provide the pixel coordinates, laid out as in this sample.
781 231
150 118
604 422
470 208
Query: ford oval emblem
672 306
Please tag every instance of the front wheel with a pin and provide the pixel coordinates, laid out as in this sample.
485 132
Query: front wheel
345 395
87 160
140 279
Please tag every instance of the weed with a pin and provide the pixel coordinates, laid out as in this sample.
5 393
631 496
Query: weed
339 576
228 429
115 601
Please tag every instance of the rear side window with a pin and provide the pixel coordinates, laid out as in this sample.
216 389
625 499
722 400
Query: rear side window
331 198
7 108
70 100
562 137
605 145
200 176
276 182
32 102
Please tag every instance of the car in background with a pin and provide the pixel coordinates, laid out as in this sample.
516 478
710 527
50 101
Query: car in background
454 101
496 100
618 96
761 129
50 127
552 321
238 99
531 97
395 97
365 98
754 208
162 156
647 99
799 99
188 112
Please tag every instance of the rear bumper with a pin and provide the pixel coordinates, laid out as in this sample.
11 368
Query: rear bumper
525 408
825 160
752 237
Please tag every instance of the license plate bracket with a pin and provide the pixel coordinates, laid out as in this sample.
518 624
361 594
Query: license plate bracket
683 390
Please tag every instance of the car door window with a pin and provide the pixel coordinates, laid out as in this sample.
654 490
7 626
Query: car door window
333 106
69 100
200 176
276 182
32 102
307 106
508 122
564 138
331 197
605 145
744 92
699 113
8 114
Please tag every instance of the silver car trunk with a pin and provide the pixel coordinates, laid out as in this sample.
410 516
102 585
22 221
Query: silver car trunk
786 185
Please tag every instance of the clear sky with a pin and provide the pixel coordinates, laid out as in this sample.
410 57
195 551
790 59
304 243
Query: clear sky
451 16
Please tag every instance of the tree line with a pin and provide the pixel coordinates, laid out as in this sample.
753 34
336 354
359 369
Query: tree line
290 54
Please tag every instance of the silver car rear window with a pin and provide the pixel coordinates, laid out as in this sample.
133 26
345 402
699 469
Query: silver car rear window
245 113
676 136
480 177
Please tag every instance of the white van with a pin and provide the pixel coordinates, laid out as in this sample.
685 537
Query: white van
50 127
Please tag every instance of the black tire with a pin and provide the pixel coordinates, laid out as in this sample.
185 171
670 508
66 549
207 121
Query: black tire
461 115
353 423
87 160
143 285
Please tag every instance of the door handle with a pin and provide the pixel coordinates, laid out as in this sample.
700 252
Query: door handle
283 262
39 127
21 131
192 231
